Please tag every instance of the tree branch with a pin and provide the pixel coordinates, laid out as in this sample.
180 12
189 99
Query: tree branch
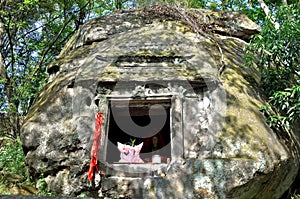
267 12
35 29
45 52
49 48
2 68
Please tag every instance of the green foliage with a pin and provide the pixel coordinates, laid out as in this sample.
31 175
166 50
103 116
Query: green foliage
103 7
13 169
287 102
42 186
13 173
32 34
277 55
284 109
278 51
12 157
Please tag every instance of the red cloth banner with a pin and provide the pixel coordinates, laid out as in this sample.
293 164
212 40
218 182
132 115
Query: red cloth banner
96 145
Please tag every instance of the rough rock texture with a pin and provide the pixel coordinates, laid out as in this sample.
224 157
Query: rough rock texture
35 197
191 62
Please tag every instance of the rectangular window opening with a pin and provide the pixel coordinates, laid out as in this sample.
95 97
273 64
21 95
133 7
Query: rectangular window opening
156 142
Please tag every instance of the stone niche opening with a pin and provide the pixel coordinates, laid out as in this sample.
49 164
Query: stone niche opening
156 140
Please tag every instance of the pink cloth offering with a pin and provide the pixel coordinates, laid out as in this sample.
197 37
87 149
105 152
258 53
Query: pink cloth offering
130 154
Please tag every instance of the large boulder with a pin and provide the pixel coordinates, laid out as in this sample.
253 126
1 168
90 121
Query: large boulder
184 68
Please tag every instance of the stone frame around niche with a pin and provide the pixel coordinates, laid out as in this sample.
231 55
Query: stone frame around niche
182 138
176 138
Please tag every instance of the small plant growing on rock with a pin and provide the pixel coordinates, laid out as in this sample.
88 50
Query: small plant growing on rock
42 186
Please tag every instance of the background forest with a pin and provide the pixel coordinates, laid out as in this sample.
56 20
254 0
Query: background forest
32 33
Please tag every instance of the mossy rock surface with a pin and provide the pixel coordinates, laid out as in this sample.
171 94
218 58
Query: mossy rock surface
221 146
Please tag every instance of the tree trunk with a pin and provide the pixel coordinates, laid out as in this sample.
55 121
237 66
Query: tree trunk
12 120
2 69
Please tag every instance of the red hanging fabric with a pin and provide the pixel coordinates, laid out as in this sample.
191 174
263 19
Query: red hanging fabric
96 145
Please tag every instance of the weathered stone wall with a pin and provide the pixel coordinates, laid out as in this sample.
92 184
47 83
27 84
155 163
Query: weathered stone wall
35 197
221 146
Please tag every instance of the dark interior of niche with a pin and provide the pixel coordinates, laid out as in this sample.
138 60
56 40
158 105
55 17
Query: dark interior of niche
139 115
